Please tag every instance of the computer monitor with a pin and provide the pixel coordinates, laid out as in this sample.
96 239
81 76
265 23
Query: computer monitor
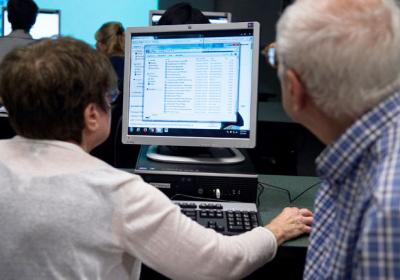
191 85
213 17
47 24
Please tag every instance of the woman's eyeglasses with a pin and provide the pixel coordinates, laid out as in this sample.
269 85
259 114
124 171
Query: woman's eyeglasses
270 55
112 96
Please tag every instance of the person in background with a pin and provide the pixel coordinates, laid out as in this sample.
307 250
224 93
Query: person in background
338 61
110 41
67 215
22 16
182 13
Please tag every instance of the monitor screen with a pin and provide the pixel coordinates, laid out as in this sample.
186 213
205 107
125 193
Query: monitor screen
191 85
213 17
47 24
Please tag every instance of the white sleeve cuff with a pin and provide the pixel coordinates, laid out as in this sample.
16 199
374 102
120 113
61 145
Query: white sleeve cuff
270 241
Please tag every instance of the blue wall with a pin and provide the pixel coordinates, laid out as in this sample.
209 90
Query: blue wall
2 3
81 18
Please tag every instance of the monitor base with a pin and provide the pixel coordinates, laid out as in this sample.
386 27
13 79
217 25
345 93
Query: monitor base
195 155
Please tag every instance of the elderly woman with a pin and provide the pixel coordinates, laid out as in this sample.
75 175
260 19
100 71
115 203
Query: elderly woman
67 215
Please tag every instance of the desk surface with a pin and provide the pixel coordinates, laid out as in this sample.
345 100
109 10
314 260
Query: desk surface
273 200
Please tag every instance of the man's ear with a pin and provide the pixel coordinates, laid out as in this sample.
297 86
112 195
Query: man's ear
91 117
297 91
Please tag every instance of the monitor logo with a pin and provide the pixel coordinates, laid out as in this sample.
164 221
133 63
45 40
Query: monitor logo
250 25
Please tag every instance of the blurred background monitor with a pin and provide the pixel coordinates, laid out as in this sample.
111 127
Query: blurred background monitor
213 17
47 24
81 19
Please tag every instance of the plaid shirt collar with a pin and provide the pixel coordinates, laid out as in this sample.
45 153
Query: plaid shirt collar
338 159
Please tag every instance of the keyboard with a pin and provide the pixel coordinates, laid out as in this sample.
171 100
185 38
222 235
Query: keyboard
229 218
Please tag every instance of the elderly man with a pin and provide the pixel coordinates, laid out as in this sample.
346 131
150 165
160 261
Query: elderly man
67 215
339 67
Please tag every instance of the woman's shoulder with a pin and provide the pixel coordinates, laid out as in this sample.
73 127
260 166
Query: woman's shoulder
118 64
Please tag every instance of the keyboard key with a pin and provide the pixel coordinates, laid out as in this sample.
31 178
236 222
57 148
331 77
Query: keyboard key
235 228
189 212
203 214
219 215
220 228
253 216
211 223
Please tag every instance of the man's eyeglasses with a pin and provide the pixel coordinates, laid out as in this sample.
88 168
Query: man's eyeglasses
270 55
112 95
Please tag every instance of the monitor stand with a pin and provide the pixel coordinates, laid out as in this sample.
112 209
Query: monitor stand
195 155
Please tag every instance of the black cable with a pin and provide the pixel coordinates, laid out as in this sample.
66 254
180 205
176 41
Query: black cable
260 190
291 200
306 190
263 184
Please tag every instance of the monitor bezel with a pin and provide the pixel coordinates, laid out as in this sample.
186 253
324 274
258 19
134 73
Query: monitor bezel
43 11
249 142
208 14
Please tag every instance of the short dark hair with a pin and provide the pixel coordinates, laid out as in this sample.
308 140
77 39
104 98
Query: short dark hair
182 13
46 86
22 14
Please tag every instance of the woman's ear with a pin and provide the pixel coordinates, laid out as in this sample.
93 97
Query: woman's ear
91 116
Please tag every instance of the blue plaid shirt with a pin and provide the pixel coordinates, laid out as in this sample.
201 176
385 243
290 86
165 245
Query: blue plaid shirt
356 229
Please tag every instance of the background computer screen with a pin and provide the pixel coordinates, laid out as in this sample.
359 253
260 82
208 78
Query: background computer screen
213 17
191 85
47 24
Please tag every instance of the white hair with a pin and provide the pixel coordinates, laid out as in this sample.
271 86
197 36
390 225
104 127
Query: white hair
346 52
